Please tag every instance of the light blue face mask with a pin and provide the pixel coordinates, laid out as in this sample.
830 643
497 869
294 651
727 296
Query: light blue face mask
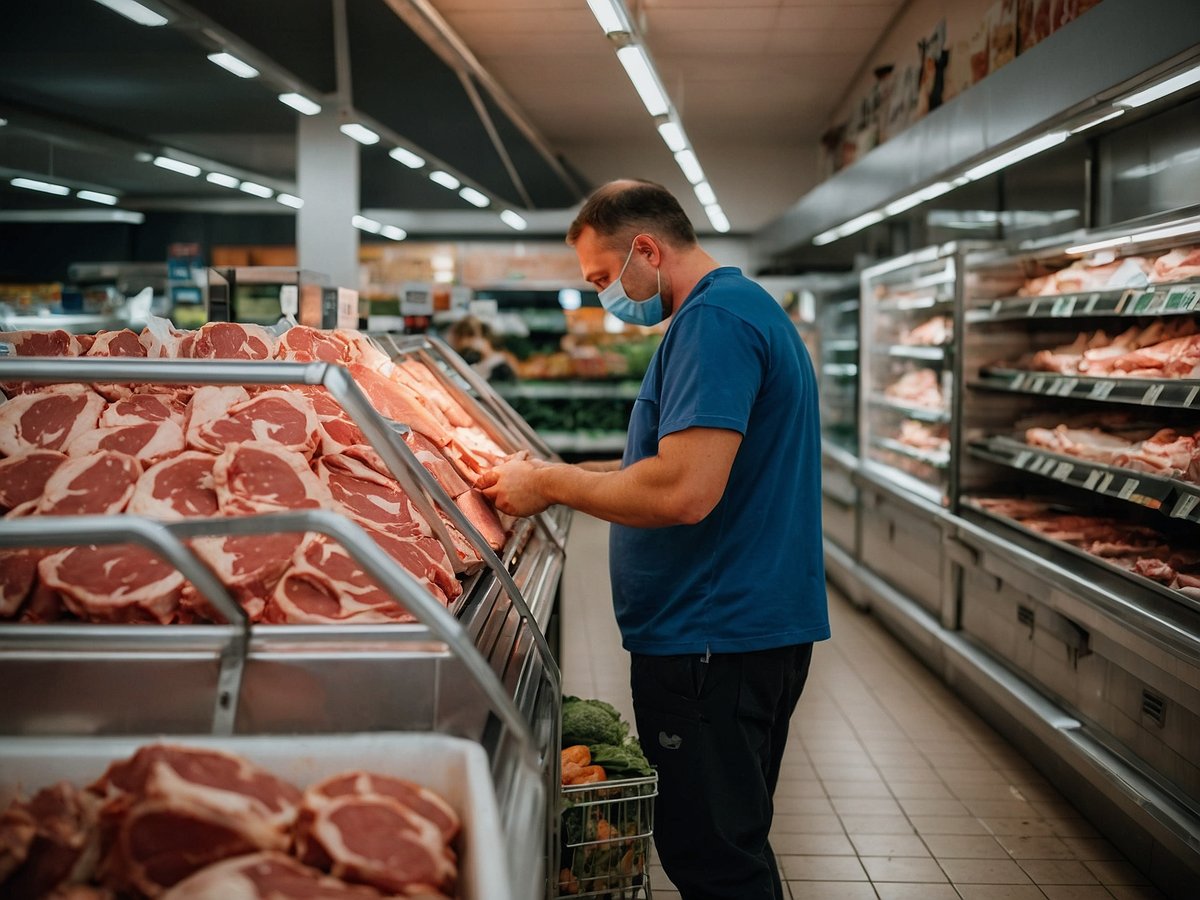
635 312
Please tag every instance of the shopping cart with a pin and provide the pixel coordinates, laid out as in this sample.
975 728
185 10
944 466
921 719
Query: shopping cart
606 830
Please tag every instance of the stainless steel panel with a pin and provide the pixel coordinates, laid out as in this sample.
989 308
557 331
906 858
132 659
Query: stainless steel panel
903 545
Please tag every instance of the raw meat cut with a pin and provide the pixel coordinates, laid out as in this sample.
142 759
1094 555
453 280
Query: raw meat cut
230 340
248 565
311 597
23 477
399 403
303 344
285 418
173 810
265 876
479 510
209 404
139 408
919 388
429 456
42 343
1087 275
114 583
149 441
162 341
924 436
369 497
1177 265
257 477
117 343
177 488
420 800
18 572
48 419
930 333
376 840
425 384
100 484
1085 443
338 430
47 841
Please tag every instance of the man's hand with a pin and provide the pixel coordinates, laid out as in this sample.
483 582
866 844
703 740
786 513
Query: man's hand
513 487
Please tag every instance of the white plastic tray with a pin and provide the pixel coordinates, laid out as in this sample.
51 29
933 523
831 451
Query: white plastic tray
455 768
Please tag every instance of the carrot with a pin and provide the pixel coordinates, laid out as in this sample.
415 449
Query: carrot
584 775
579 754
570 771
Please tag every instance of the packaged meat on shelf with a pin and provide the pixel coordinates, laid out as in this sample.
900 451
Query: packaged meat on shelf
282 525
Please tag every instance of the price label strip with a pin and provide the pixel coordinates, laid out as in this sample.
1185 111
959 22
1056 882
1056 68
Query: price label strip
1062 471
1128 488
1185 506
1101 390
1152 394
1090 482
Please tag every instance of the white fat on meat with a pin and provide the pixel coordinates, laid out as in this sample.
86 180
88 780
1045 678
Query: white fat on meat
286 418
23 477
265 876
229 340
301 343
177 488
48 419
113 583
366 495
421 800
137 409
208 404
99 484
117 343
249 566
258 477
148 441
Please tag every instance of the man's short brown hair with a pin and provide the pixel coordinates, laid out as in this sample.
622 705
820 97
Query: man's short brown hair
620 210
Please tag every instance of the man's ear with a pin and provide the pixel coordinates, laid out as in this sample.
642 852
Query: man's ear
649 248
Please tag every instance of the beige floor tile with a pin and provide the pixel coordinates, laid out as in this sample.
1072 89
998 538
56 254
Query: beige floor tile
866 806
903 868
1072 828
811 845
919 790
889 845
1005 790
987 809
1135 892
908 773
855 824
947 825
802 806
981 775
857 789
964 846
1072 892
1091 848
1024 826
1115 872
829 890
1055 810
822 868
893 891
1036 847
999 892
1057 871
922 807
815 823
847 773
984 871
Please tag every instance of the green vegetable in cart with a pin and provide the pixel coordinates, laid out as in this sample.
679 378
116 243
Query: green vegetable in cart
624 760
591 722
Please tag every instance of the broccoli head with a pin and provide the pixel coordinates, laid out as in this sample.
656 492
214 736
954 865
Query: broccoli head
591 722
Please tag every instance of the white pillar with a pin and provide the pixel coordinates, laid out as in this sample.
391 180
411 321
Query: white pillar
327 178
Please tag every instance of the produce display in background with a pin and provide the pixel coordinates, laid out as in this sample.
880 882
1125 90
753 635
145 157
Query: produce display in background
591 357
185 823
582 414
608 796
201 451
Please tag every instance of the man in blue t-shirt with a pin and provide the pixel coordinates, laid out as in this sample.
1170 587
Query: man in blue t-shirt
715 549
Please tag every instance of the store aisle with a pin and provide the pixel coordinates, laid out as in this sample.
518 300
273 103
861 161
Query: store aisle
892 789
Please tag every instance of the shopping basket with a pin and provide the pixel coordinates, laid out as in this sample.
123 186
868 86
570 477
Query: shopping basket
606 830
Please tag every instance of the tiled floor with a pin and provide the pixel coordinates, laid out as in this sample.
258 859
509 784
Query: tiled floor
892 789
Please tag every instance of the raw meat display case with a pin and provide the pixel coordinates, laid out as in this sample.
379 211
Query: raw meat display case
481 670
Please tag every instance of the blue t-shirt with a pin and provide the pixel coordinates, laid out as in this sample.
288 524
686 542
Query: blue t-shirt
751 575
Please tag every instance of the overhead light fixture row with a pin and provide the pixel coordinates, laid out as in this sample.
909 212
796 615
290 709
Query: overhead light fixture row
513 220
300 104
175 165
645 80
610 15
1162 89
362 223
255 189
44 187
231 63
406 157
290 200
135 12
391 232
445 179
220 178
717 218
360 133
97 197
474 197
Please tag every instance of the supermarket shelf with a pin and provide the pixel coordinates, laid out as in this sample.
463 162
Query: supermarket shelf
1177 393
840 370
1177 499
569 390
914 412
585 442
921 301
898 481
840 344
937 460
1160 299
907 351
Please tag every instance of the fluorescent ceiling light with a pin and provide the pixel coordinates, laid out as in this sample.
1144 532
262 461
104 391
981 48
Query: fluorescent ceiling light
406 157
690 166
300 103
1155 234
360 133
45 187
641 73
231 63
1083 249
826 237
1004 160
716 216
916 198
258 190
143 156
512 220
222 179
393 233
1162 89
1151 234
610 14
704 193
290 200
1107 117
3 122
858 223
175 165
672 135
135 12
570 298
473 197
362 223
97 197
445 179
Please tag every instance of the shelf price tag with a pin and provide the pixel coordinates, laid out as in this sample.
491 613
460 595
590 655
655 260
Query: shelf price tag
1046 465
1105 483
1018 383
1068 387
1089 483
1063 306
1127 489
1142 303
1021 458
1192 395
1039 384
1091 304
1100 390
1185 506
1062 471
1152 394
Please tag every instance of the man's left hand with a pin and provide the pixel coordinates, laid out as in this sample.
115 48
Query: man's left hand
513 486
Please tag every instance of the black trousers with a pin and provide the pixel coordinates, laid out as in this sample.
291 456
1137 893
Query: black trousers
716 732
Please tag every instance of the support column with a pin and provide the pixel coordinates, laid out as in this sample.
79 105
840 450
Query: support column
327 170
